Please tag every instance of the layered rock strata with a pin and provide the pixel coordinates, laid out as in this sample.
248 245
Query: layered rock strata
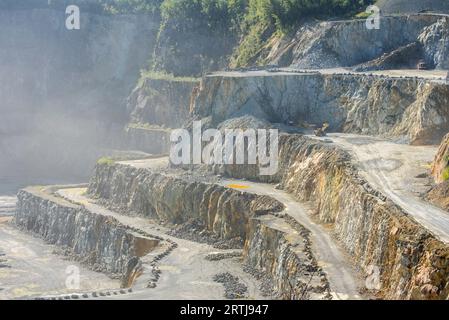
271 244
439 193
406 109
100 242
326 45
407 260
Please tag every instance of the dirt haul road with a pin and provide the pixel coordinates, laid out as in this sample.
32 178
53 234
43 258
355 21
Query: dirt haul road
395 170
343 279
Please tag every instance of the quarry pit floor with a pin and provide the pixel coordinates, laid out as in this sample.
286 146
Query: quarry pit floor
29 267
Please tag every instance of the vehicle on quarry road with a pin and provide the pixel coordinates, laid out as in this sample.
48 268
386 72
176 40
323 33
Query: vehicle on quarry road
422 65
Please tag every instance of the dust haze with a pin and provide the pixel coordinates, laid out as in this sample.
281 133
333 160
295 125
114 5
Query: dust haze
62 92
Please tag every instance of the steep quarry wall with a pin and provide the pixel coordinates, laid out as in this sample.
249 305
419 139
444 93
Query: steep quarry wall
101 242
441 161
156 105
378 235
271 245
281 248
439 193
62 87
411 110
349 43
163 102
168 198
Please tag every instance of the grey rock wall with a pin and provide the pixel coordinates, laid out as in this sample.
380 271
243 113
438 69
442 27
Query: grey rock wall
410 110
101 242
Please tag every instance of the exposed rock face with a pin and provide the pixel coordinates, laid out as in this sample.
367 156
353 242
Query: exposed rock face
161 102
441 161
272 245
439 193
435 40
374 231
411 110
99 241
155 106
406 57
326 45
278 249
223 211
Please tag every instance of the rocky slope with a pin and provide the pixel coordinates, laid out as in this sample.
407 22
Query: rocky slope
167 198
271 245
325 44
441 161
411 110
378 235
435 40
162 102
156 105
101 242
439 193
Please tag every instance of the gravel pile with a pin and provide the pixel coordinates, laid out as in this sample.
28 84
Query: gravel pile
223 256
266 281
194 231
234 289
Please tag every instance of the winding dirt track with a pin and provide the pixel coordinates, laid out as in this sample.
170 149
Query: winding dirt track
343 279
393 169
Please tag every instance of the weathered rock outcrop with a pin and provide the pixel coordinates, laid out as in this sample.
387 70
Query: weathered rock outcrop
435 40
441 161
439 193
411 110
168 198
163 102
412 263
326 45
101 242
283 251
272 245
